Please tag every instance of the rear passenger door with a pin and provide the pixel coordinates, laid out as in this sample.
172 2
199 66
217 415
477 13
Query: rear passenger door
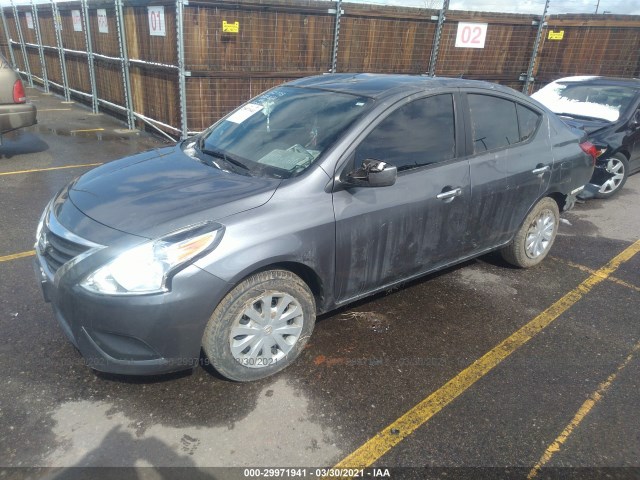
510 166
386 234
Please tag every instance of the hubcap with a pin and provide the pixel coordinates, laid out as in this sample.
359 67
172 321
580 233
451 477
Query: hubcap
266 330
616 168
540 234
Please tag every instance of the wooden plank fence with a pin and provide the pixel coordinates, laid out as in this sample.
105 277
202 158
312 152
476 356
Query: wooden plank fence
233 50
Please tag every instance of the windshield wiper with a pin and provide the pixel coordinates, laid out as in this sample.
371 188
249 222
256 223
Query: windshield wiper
221 154
225 156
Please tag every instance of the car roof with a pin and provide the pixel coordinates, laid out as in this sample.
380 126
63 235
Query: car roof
385 85
602 81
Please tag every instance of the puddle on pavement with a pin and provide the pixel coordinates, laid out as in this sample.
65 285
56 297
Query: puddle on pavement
276 432
100 135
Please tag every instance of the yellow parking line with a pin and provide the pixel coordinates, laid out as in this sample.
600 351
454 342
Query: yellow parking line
51 168
583 411
592 271
15 256
53 110
393 434
88 130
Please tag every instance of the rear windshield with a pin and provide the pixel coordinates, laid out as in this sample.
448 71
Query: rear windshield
285 130
606 102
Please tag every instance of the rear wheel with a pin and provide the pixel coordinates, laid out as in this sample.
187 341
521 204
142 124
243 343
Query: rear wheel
261 326
617 169
536 235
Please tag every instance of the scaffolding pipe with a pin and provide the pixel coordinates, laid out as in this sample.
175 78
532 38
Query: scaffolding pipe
182 87
89 45
336 37
6 33
63 63
22 45
126 78
536 46
43 63
438 37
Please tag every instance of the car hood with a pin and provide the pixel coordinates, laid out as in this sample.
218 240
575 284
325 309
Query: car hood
158 191
589 126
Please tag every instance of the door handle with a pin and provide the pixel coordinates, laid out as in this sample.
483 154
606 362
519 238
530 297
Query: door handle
456 192
541 170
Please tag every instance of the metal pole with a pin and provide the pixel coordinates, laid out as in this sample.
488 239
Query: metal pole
22 45
6 33
57 24
89 45
534 55
181 71
438 36
336 36
122 41
43 63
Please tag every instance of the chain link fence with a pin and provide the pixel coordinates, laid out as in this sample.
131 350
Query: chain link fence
178 66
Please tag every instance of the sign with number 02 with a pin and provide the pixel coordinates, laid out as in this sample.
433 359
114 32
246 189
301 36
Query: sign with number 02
156 21
471 35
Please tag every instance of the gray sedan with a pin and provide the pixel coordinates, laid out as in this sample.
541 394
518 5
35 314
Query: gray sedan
312 195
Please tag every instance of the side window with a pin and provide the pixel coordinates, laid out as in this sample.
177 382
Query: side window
494 122
419 133
528 121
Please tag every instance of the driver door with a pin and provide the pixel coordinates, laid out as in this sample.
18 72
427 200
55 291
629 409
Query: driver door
387 234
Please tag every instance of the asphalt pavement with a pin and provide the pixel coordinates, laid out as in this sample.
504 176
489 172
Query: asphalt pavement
481 369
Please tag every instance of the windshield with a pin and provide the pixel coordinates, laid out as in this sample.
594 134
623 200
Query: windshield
605 102
283 131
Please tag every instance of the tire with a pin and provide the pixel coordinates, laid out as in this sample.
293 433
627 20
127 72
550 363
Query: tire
243 357
535 237
619 166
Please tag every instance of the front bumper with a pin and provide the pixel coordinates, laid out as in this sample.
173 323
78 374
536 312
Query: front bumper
134 334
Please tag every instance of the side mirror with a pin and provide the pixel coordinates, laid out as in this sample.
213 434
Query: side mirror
373 173
635 121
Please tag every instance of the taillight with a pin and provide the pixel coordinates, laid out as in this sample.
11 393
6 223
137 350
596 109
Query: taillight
590 149
18 92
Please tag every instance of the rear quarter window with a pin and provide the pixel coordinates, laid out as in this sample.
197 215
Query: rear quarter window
528 121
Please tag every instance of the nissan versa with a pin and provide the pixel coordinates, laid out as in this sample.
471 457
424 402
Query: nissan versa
308 197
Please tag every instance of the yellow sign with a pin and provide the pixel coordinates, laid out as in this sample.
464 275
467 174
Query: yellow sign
556 35
230 27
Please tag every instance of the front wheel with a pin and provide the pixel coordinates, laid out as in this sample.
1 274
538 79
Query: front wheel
536 235
261 326
617 169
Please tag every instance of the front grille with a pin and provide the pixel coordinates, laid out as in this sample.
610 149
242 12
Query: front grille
56 250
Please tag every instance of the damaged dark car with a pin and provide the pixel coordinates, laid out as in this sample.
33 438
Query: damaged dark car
608 109
308 197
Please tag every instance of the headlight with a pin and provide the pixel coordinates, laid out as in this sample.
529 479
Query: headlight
43 219
147 267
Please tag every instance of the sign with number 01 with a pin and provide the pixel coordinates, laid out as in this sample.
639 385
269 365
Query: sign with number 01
103 24
471 35
77 20
156 21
